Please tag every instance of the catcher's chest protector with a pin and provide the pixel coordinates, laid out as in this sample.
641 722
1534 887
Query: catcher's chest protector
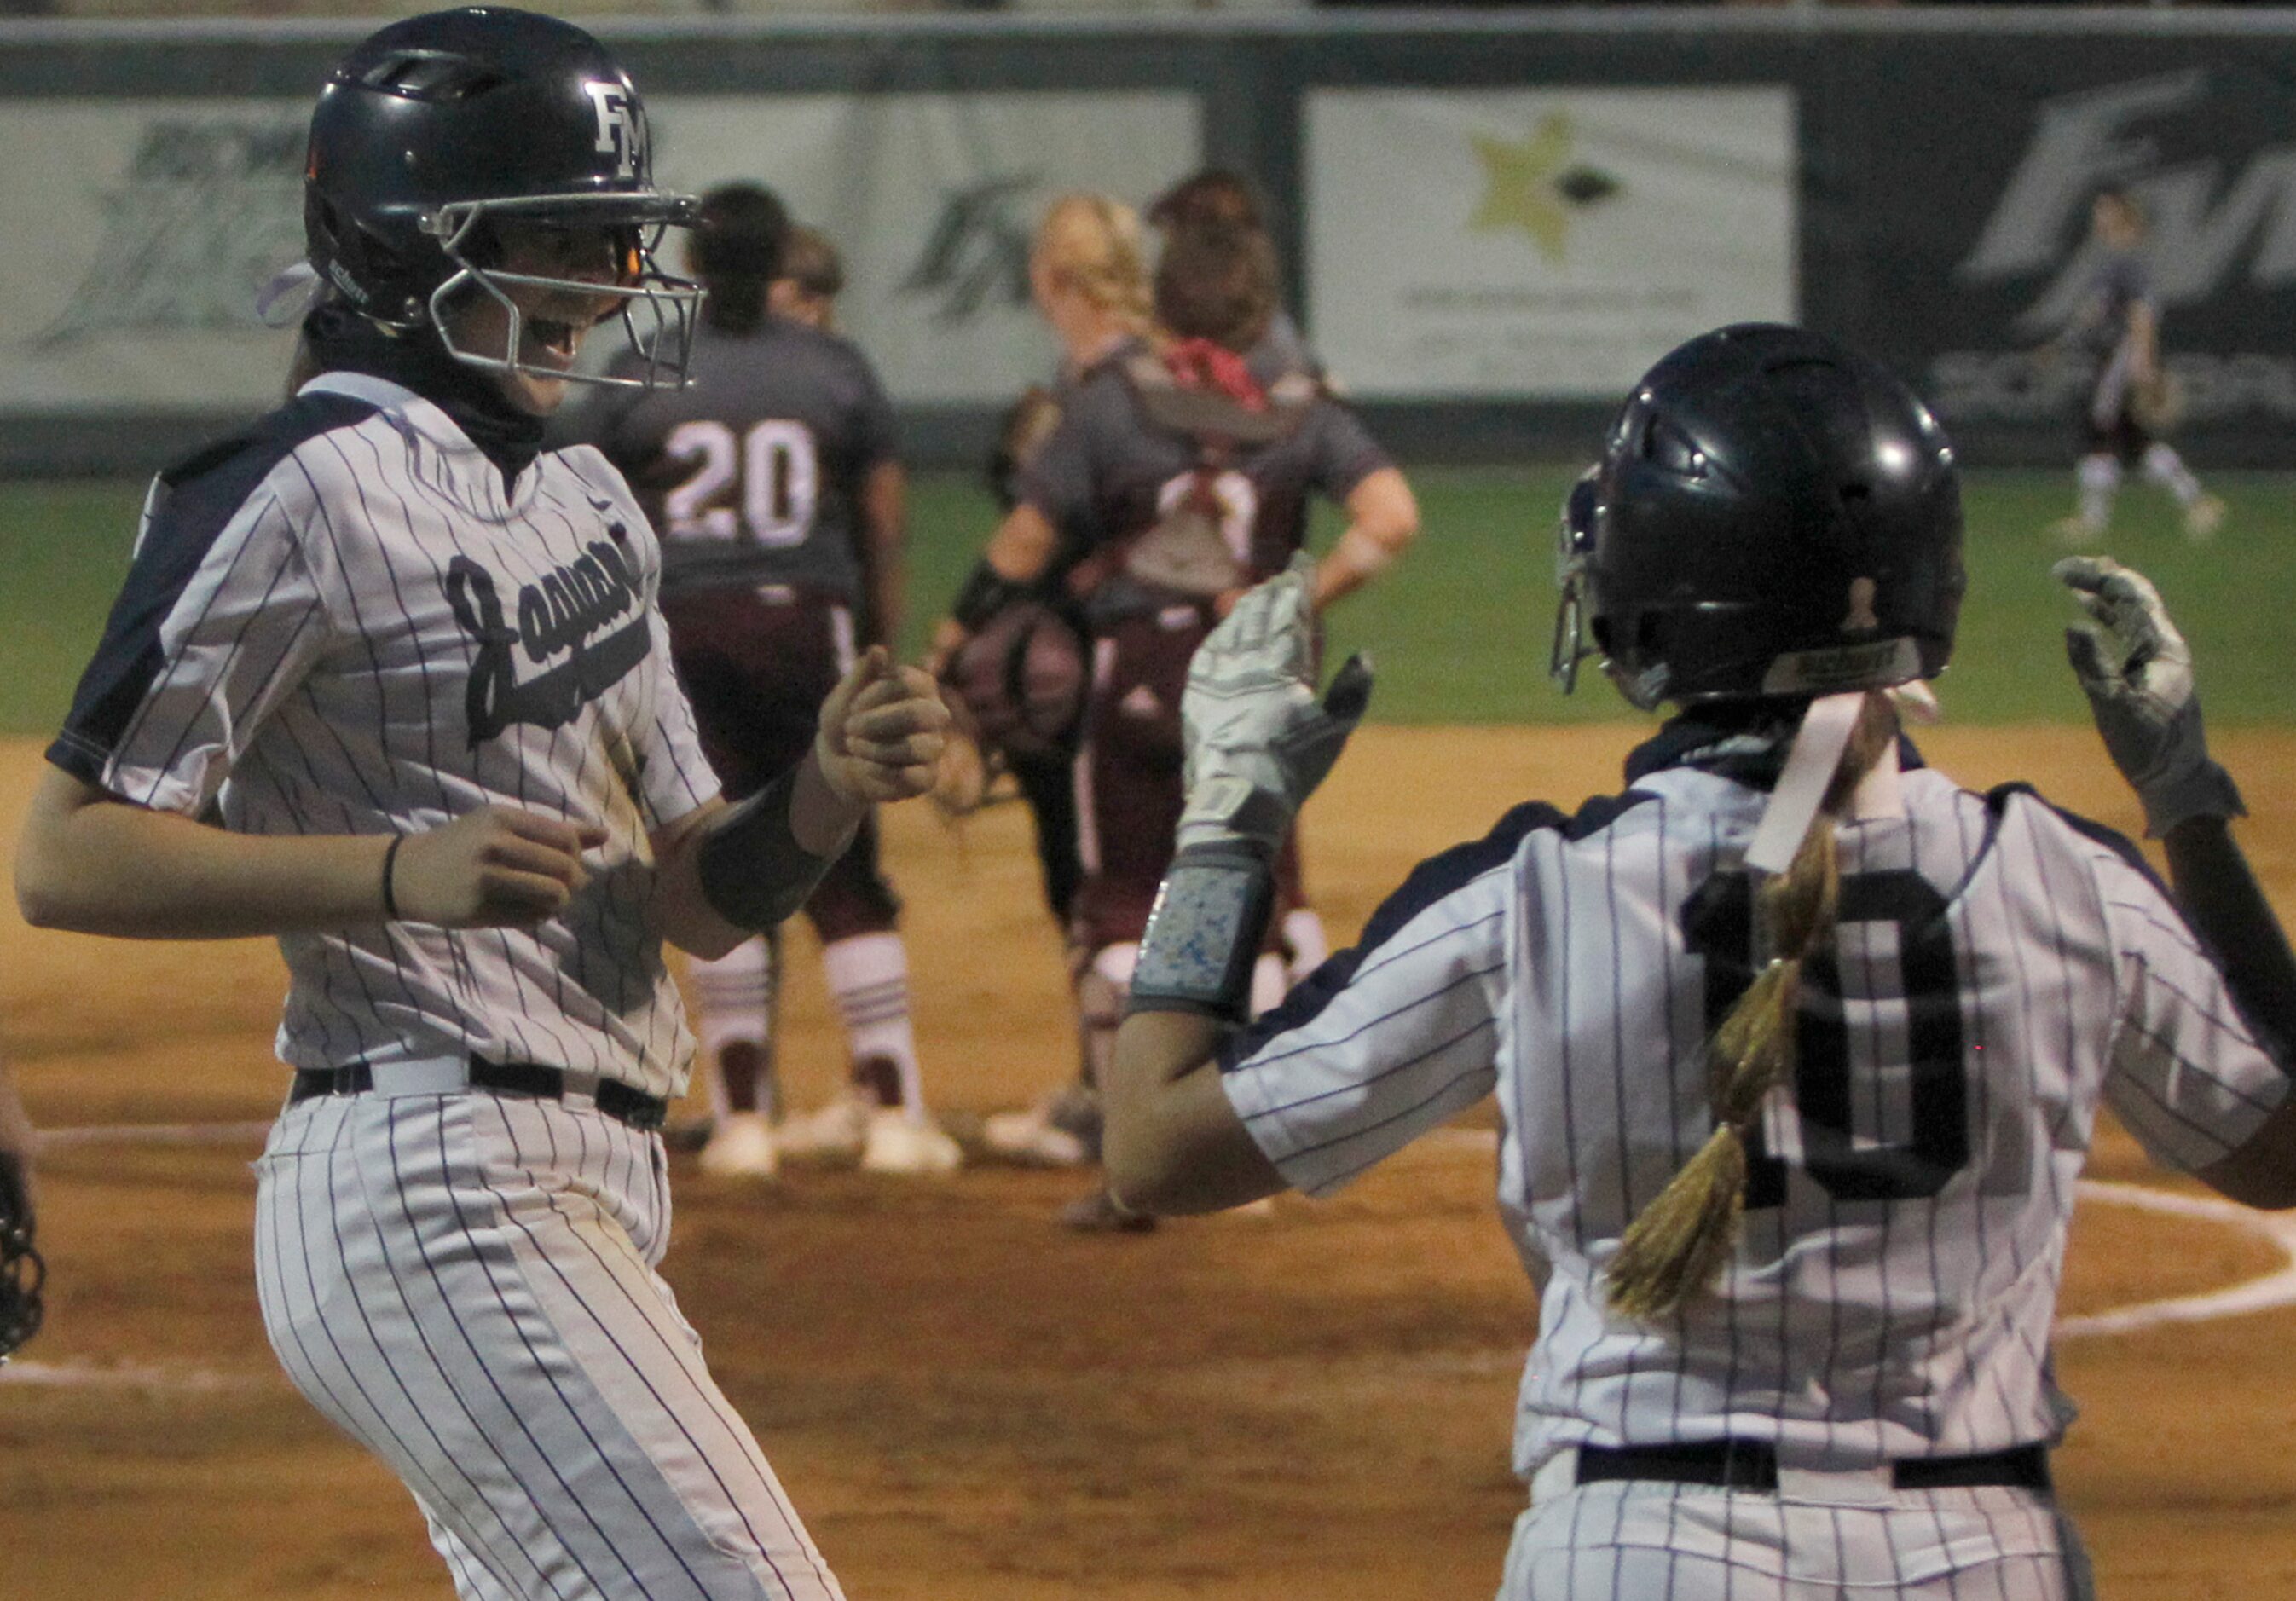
1189 551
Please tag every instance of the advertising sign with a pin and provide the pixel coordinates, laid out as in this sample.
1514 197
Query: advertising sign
1543 243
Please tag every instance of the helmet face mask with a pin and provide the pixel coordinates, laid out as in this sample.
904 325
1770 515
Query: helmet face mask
436 132
1774 516
641 288
1574 545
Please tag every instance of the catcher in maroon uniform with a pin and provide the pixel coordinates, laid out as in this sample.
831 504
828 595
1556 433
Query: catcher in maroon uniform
1173 482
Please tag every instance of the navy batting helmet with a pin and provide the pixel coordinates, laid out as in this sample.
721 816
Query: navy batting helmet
436 127
1773 514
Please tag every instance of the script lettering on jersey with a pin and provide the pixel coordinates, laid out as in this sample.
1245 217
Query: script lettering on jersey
564 622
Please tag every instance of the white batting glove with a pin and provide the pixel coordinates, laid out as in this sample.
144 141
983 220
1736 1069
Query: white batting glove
2137 672
1257 739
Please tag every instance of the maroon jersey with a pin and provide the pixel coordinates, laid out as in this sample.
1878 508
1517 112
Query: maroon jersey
1112 470
753 472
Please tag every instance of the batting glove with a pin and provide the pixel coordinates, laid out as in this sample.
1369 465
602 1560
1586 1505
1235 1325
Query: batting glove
1257 739
2137 672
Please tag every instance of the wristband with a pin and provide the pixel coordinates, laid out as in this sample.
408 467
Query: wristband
1204 934
985 592
2207 790
753 872
389 863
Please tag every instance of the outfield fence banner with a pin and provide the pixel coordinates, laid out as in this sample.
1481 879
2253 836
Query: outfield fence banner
1489 222
932 201
143 231
1980 274
162 221
1541 243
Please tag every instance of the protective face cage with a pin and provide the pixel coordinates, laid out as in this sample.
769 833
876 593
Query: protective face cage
657 308
1574 554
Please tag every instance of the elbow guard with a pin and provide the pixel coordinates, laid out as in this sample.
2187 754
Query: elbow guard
753 872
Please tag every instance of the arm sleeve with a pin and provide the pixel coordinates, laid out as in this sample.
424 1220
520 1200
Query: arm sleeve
2185 1072
1344 452
221 616
1384 1041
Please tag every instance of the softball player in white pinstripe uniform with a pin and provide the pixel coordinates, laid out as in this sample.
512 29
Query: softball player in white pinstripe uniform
1797 1051
416 671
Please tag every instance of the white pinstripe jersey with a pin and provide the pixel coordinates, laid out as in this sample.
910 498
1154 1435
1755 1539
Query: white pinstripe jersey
1999 965
345 622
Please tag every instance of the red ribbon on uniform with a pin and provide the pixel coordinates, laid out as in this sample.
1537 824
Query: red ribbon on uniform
1201 364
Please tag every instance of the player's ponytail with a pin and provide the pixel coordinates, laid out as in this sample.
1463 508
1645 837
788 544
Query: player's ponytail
1679 1244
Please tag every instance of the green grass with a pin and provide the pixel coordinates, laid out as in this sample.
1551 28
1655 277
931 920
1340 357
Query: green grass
1459 627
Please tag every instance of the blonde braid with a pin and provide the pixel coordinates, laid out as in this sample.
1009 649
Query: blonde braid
1094 243
1679 1242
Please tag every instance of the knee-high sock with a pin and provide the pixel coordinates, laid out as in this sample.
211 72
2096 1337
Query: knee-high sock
733 1005
2100 481
2165 467
868 978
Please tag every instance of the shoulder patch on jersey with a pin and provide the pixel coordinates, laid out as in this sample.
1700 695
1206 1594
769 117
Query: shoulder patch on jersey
190 505
1430 882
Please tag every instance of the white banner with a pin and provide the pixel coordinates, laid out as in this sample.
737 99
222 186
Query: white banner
932 200
144 230
1546 243
157 221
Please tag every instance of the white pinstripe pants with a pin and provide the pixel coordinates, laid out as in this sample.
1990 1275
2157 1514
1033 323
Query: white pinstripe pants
1652 1541
464 1284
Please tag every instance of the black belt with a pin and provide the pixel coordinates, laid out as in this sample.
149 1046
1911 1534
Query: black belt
1752 1465
616 1099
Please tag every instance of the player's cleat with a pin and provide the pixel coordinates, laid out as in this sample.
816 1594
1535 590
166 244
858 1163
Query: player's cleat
742 1146
2203 518
1101 1212
2076 533
1060 1131
900 1143
836 1132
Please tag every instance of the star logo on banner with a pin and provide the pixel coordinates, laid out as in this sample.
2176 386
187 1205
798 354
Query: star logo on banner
1533 186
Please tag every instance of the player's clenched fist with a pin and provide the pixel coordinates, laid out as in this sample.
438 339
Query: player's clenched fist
488 868
882 731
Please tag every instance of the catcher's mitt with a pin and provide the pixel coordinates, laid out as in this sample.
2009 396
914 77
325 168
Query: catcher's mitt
2158 403
1022 681
22 1272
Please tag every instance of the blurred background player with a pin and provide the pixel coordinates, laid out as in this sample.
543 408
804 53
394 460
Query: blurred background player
2130 400
773 482
1797 1046
1173 481
1089 279
812 276
1219 198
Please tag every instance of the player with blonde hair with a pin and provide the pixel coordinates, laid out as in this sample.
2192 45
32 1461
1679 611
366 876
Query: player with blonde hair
1797 1046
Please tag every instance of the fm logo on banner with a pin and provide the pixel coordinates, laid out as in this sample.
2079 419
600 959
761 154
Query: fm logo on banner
2222 230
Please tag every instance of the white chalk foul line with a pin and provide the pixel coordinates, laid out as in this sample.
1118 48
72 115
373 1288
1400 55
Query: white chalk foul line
2276 1288
2273 1289
82 1375
153 1134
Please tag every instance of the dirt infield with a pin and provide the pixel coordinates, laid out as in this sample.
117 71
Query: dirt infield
965 1403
